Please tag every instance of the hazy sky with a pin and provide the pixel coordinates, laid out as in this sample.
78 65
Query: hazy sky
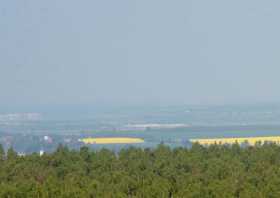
139 52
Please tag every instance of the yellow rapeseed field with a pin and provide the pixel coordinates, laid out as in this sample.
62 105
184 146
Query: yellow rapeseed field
111 140
248 140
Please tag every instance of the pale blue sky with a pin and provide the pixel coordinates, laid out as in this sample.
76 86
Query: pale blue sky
139 52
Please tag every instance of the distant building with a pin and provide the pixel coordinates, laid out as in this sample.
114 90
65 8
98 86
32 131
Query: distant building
48 139
67 140
41 152
21 154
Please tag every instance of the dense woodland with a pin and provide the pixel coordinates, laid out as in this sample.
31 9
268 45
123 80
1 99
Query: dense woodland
214 171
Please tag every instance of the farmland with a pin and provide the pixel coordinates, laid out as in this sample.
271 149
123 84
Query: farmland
111 140
244 140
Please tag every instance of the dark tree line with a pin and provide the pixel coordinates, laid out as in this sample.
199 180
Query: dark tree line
214 171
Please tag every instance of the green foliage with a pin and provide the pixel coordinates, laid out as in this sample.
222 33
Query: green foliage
214 171
2 152
11 154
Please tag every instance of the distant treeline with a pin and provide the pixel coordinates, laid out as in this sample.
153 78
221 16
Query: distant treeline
214 171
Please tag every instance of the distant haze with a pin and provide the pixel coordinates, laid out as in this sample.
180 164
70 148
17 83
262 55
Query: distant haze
139 52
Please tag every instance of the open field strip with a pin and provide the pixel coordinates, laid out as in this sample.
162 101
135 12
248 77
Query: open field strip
111 140
248 140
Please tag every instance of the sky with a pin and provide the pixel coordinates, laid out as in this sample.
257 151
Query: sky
139 52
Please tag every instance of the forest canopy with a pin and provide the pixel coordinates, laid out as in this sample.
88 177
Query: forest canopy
199 171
